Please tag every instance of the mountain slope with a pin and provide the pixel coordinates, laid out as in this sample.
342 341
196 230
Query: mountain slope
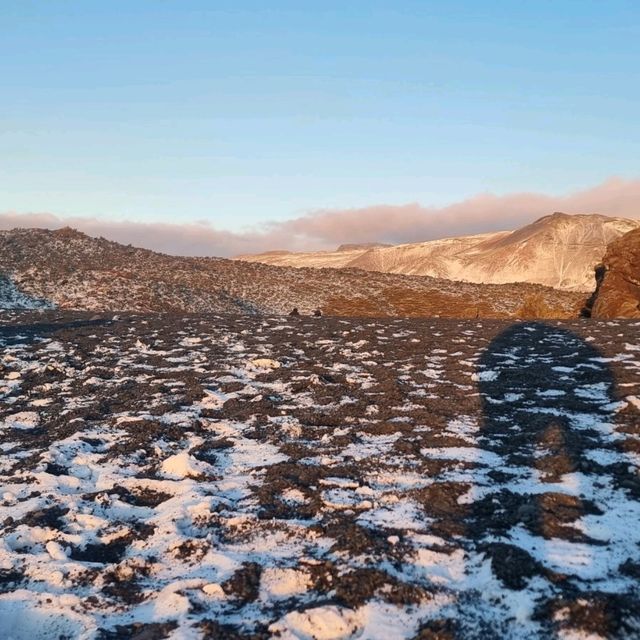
558 251
71 270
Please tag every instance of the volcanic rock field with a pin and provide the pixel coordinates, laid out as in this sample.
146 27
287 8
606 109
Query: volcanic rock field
243 477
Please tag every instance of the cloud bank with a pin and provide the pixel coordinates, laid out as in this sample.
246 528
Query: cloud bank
325 229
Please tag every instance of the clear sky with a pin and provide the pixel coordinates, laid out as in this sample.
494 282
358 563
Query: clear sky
241 112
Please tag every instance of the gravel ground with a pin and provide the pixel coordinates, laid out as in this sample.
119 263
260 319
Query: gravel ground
172 476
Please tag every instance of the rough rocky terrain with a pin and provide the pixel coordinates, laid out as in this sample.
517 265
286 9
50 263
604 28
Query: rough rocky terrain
558 251
70 270
217 476
618 290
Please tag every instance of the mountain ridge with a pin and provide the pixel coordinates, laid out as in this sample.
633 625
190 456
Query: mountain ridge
558 250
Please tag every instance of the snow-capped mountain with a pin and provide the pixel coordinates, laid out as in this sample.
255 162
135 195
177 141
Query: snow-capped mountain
71 270
558 250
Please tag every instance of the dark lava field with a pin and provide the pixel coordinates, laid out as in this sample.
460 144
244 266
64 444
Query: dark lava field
211 476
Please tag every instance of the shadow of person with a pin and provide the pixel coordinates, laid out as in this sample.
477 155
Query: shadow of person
553 510
29 331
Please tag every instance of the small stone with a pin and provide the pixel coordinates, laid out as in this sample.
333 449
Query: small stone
526 512
56 551
214 590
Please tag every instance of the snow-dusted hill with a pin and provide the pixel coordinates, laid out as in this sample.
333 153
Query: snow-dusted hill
71 270
558 251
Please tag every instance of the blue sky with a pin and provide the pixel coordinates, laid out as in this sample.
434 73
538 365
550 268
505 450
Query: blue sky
243 112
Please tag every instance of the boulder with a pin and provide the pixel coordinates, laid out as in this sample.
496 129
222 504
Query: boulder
617 294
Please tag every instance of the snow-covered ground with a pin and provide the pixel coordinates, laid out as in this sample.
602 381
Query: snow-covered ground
12 298
241 477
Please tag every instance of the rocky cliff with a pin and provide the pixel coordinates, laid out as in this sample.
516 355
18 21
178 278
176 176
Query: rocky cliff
618 279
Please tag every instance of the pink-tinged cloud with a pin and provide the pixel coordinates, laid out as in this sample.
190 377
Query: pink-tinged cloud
325 229
484 212
194 239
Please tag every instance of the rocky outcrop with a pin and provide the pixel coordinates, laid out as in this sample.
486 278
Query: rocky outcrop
363 246
618 280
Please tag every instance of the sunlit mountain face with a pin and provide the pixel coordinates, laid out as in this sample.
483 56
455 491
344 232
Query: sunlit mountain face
558 251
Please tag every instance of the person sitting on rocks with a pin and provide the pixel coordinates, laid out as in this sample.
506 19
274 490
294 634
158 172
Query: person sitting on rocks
294 312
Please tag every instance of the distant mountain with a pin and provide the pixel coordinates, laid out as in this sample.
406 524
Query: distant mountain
558 251
71 270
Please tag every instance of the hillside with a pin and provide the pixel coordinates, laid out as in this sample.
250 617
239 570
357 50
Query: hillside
558 251
71 270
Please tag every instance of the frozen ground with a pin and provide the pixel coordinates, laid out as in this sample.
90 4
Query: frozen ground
12 298
241 477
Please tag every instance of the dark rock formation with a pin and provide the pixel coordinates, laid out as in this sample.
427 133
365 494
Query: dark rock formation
618 280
